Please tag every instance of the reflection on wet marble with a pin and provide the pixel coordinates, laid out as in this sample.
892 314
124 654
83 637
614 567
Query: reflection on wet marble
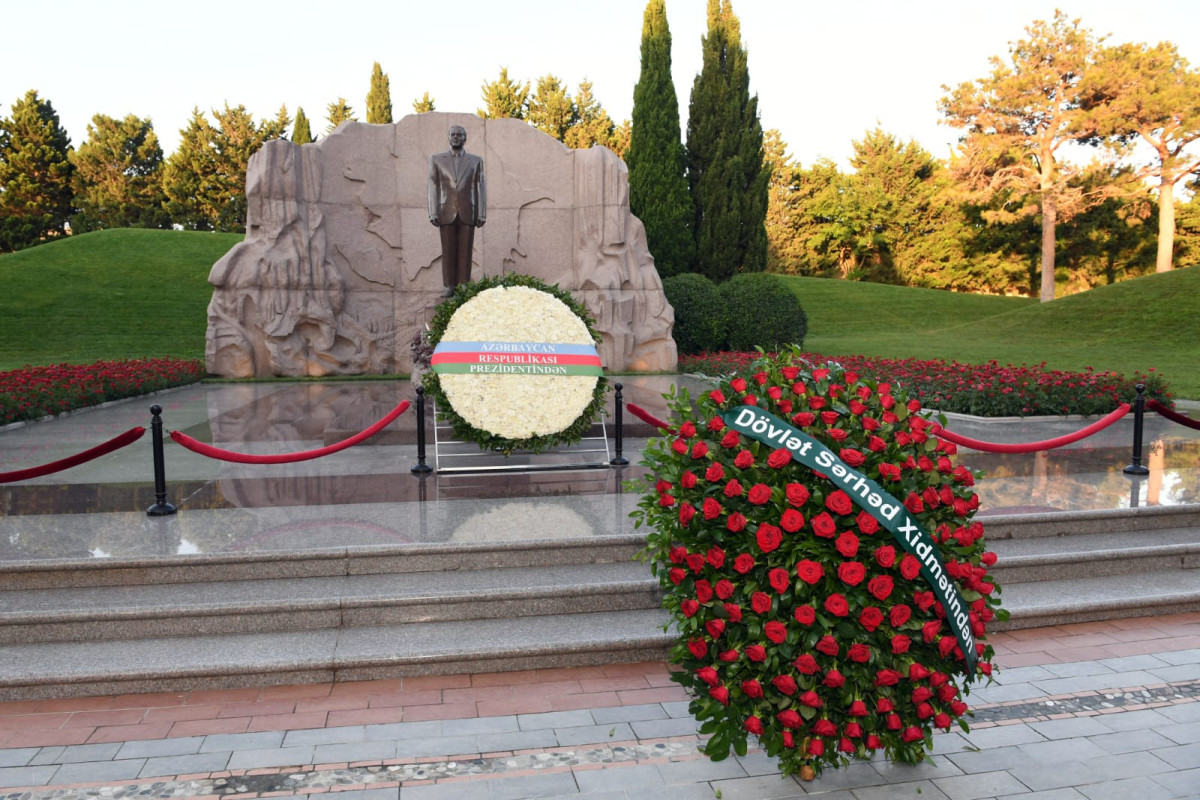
367 496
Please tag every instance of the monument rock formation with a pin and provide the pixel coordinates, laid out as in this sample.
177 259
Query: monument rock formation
340 267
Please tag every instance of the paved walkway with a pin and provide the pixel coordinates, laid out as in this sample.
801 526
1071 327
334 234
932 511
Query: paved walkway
1096 710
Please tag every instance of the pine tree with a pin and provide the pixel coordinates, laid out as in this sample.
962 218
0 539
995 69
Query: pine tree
338 112
118 176
551 109
504 97
726 174
424 104
189 172
658 191
379 98
301 130
592 124
35 174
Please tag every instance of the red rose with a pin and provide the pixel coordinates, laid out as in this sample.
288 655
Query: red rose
924 600
715 627
873 742
756 652
744 460
779 458
805 614
866 523
827 645
695 562
889 471
784 683
677 575
887 677
716 425
910 568
715 557
816 402
811 698
775 631
851 573
704 591
857 408
857 709
769 537
958 708
708 675
839 502
686 512
720 694
942 721
736 522
804 419
870 424
824 727
871 618
711 508
921 694
885 556
789 373
852 457
946 646
689 607
789 740
806 664
677 554
738 384
914 503
789 719
847 544
752 688
699 450
881 587
779 579
834 679
760 602
753 725
912 734
823 525
930 630
715 472
733 488
875 444
816 747
884 705
988 558
679 446
716 396
900 644
760 377
687 430
666 500
743 563
898 615
724 589
837 434
859 653
688 479
792 520
734 611
810 571
836 604
917 672
774 392
698 647
759 494
730 439
796 494
729 655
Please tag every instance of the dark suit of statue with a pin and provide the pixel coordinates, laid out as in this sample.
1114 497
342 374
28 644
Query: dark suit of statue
457 205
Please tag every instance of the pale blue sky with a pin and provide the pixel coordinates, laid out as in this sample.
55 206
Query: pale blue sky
825 72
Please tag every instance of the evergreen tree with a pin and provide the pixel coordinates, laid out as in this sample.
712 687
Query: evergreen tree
658 190
592 124
379 98
726 174
551 109
301 130
424 104
338 112
504 97
35 174
118 176
188 174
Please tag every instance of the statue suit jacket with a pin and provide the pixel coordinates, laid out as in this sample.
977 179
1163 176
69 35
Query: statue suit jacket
456 187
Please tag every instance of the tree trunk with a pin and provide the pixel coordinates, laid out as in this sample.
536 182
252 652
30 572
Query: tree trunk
1166 225
1049 219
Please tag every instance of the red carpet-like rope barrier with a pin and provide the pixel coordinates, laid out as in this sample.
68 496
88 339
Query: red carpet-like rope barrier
648 418
1173 415
116 443
1033 447
287 458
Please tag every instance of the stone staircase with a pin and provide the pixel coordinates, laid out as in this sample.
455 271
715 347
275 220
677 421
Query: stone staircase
101 627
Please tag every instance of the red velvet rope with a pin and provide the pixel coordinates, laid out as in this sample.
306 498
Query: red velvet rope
116 443
1032 447
1172 415
287 458
648 418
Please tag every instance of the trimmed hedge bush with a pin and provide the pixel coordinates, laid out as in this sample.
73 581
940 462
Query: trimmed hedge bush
761 311
700 315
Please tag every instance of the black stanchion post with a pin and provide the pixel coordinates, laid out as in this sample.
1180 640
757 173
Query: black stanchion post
421 468
618 414
1139 411
161 507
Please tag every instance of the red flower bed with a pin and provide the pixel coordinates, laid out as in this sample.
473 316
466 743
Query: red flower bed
985 390
36 392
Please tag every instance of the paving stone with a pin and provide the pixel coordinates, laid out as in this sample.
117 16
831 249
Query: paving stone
465 727
369 794
1057 774
1181 656
1074 669
858 775
353 751
1133 720
241 741
1131 741
1096 683
1068 793
979 785
594 734
684 791
1016 675
403 730
702 769
94 771
1130 663
1069 728
317 736
449 790
1185 712
620 778
1139 787
529 786
1185 756
1078 749
443 746
989 760
18 757
758 763
1004 694
165 766
606 716
930 768
762 787
1127 765
153 748
27 776
952 742
659 728
76 753
924 790
1183 672
520 740
677 708
1003 735
1181 784
271 757
613 795
1181 733
554 719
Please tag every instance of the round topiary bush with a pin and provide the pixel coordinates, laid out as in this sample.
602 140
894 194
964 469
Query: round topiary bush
699 313
761 311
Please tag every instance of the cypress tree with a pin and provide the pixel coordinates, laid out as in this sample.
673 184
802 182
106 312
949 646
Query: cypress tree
379 98
504 98
338 112
424 104
658 190
35 174
725 155
302 130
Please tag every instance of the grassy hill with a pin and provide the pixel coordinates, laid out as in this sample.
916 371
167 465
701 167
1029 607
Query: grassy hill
131 293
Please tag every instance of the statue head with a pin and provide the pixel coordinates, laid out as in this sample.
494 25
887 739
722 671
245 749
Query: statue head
458 137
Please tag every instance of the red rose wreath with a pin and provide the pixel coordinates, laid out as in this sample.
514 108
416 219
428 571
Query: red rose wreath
803 618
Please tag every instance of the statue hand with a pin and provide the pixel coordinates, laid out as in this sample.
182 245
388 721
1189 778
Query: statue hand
480 222
433 221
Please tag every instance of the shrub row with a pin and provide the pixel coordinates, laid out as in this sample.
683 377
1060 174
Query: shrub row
749 310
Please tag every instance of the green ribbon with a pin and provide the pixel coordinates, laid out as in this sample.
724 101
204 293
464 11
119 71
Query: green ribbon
869 496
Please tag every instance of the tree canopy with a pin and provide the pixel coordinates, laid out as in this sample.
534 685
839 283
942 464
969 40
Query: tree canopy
379 98
35 174
118 180
337 112
301 128
504 98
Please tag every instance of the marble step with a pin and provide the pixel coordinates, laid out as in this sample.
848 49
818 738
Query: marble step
1042 603
1095 554
1070 523
71 669
346 601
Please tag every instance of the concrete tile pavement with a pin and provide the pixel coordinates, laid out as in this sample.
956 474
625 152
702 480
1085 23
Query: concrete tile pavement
1053 727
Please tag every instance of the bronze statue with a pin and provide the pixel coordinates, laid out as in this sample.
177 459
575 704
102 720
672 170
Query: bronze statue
457 206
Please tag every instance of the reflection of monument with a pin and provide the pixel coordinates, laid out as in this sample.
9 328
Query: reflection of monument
457 206
338 267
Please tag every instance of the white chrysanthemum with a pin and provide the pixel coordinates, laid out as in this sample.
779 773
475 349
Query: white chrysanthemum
517 406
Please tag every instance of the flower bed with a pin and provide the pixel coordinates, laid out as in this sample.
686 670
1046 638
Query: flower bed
36 392
985 390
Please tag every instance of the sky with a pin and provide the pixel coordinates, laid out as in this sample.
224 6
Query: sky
825 73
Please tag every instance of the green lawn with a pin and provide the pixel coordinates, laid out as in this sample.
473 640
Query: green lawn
139 293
